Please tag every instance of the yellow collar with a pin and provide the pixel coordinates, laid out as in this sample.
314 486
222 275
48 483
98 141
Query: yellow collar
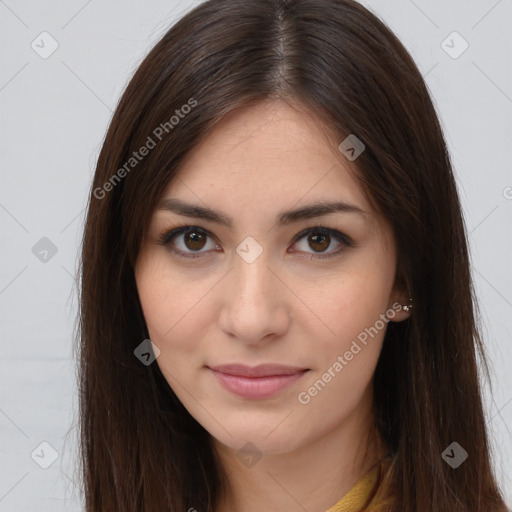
370 493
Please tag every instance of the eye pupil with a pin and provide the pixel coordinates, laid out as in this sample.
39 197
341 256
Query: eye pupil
317 241
194 238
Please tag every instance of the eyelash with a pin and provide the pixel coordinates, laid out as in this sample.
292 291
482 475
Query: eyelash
167 236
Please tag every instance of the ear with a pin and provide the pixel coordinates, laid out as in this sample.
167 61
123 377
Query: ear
399 298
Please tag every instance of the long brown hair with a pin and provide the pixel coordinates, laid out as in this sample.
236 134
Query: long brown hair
140 448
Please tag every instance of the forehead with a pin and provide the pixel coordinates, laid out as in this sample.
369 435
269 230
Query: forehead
271 154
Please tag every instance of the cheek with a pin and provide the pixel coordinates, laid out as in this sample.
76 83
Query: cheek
345 364
349 305
352 308
155 300
174 308
157 293
166 320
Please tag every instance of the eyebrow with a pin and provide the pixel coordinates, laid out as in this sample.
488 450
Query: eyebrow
306 212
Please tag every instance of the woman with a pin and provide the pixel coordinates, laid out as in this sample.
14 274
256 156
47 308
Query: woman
277 310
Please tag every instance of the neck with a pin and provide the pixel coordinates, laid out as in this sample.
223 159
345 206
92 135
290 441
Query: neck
312 477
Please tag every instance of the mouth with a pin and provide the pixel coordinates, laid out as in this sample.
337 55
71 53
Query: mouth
262 370
258 382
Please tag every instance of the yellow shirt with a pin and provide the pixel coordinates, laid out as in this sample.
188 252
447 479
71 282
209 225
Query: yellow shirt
372 492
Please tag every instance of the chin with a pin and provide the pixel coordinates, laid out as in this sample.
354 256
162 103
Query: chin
260 438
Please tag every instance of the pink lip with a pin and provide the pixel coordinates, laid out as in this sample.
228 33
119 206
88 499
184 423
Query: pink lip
259 382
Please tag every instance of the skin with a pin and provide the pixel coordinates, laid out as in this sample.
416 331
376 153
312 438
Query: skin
282 308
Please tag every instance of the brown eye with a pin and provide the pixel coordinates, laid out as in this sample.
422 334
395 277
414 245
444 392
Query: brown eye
194 240
189 242
320 239
319 242
185 241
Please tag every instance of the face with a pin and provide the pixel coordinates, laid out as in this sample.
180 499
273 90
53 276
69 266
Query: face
248 287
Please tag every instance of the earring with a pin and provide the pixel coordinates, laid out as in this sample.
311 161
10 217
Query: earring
407 307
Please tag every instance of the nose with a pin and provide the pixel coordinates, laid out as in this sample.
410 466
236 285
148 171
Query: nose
256 302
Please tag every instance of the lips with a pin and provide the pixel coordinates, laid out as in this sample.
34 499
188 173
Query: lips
262 370
257 382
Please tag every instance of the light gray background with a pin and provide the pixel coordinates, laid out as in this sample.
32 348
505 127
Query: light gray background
54 113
